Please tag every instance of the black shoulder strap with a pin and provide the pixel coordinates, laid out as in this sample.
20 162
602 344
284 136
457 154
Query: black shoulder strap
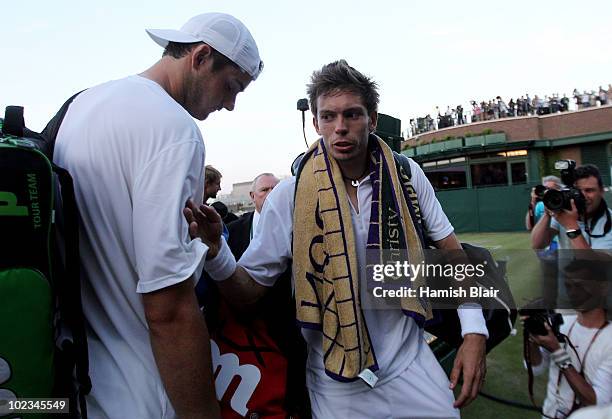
71 290
13 123
50 131
73 307
298 165
404 162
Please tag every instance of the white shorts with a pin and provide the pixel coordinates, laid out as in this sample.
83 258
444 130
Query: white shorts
421 391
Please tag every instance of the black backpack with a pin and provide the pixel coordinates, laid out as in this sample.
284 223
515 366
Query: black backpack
44 344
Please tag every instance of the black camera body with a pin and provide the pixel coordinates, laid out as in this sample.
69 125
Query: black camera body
536 318
557 200
539 191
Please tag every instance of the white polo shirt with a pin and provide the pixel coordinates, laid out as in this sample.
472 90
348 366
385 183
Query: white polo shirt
136 156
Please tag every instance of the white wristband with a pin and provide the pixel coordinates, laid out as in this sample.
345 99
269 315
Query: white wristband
560 356
223 265
472 320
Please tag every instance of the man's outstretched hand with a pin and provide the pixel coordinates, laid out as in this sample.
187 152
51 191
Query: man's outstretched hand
205 223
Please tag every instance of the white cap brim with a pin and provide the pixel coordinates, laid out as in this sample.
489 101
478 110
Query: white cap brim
163 36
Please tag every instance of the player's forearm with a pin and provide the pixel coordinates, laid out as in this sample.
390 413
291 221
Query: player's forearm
234 283
240 289
181 348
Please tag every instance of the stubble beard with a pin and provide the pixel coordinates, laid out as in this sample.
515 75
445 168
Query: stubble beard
193 97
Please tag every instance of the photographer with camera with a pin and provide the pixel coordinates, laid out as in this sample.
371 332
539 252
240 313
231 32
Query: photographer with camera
577 348
578 213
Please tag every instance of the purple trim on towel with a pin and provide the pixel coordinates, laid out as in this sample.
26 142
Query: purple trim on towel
309 326
350 274
336 377
418 318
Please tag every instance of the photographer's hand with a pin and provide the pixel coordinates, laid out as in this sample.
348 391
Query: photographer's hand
548 341
533 197
567 218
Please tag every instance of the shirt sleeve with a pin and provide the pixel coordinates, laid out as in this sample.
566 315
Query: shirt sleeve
554 224
538 212
269 252
165 254
542 366
436 222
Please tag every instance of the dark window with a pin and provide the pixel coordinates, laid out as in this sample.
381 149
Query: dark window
519 173
447 178
489 174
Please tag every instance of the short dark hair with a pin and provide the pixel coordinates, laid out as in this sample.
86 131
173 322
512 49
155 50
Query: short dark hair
211 174
179 50
588 170
341 77
596 269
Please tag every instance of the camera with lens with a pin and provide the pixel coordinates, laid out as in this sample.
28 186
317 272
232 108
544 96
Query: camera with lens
539 191
556 200
537 317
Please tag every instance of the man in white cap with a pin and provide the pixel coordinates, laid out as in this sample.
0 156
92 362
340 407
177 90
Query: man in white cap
137 156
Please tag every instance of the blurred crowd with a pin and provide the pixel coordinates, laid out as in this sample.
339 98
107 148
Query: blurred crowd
496 108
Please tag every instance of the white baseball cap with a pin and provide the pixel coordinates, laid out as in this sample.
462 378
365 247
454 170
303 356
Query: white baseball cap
223 32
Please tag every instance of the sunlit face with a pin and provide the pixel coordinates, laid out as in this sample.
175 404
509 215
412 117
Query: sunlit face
263 187
207 91
344 123
211 189
593 194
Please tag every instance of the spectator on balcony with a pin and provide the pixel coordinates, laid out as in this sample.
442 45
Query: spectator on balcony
578 98
585 99
593 98
489 112
511 107
564 103
476 112
503 108
429 122
460 120
536 104
603 96
527 105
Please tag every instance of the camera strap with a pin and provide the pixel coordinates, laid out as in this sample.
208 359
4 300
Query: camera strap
601 211
527 356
